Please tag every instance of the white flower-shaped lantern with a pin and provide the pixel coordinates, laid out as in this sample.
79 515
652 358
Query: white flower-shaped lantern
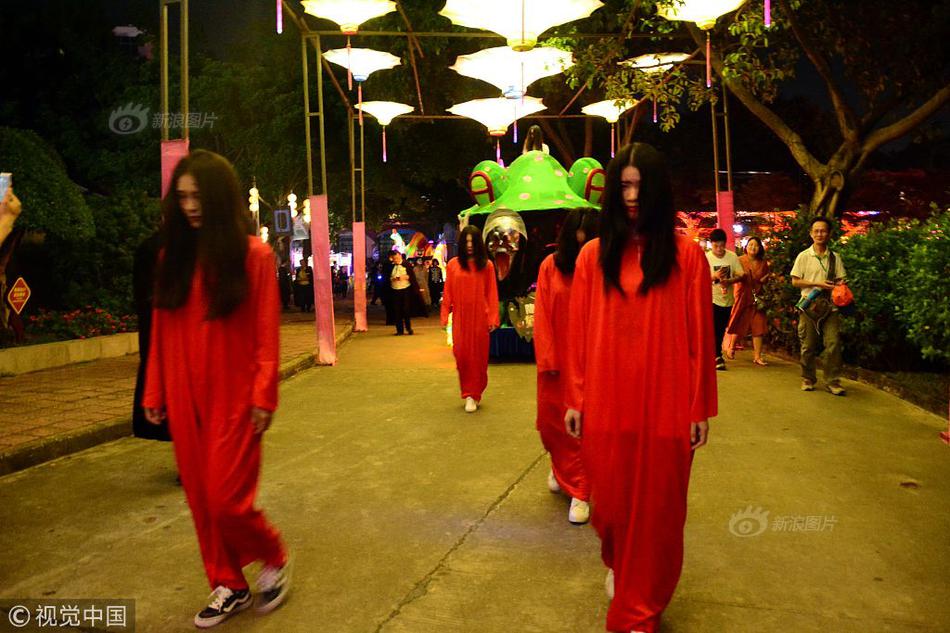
362 62
610 110
513 71
498 113
349 14
521 22
385 112
704 13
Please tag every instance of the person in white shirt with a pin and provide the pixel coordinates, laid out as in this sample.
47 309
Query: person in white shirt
726 271
810 272
400 284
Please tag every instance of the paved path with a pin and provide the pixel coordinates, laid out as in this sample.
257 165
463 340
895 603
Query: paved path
407 515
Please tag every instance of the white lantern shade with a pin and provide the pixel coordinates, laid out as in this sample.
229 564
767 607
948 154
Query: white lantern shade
385 111
513 71
703 12
349 14
655 62
362 62
498 113
610 109
520 22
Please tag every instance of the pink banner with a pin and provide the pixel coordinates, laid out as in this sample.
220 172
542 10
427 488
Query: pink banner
726 215
359 276
322 281
172 153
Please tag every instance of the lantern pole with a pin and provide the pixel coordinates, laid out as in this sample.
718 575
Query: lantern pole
323 139
353 167
362 173
307 114
715 140
725 120
163 65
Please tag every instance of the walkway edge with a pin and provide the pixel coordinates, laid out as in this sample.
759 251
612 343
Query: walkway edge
49 448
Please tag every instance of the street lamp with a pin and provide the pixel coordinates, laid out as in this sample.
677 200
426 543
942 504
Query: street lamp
385 112
362 62
519 22
497 114
611 110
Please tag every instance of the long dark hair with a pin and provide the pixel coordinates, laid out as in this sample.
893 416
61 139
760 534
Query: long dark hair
654 223
565 258
761 254
534 140
480 255
219 248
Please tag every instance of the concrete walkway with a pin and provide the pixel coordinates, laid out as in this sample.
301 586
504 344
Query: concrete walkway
807 512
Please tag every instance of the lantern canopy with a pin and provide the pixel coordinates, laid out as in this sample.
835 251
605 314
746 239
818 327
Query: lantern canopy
498 113
385 112
349 14
703 12
362 62
521 22
610 110
513 71
655 62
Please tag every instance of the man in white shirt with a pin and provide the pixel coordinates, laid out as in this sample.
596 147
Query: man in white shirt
400 284
726 271
810 272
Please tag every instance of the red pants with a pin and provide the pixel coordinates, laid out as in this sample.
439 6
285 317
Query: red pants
565 450
219 463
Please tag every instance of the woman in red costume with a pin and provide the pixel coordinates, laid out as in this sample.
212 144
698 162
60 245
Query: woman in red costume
471 296
641 383
213 369
551 307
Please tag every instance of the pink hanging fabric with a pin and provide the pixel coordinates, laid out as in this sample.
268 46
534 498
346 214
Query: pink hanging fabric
322 281
726 216
384 143
280 17
613 139
768 14
359 277
708 61
172 152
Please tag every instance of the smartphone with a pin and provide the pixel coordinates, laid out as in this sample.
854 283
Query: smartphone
6 179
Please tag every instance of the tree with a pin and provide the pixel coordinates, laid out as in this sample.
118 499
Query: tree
883 66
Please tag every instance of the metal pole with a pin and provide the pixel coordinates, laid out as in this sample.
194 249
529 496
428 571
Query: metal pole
184 68
163 64
349 122
323 139
306 115
715 135
362 176
725 118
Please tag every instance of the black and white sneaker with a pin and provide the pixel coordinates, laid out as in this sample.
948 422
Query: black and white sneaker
224 603
273 584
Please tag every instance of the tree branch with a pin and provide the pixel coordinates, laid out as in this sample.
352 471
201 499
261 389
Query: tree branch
847 120
908 123
787 135
551 133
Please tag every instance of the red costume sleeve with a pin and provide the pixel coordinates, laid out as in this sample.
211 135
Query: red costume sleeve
266 328
448 291
577 320
154 395
543 327
491 295
703 401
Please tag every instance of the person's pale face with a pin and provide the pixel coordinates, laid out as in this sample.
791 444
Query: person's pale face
630 190
719 249
189 200
819 233
397 259
469 245
752 248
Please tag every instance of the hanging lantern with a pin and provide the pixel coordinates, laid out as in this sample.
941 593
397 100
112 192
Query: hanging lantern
768 14
349 14
385 112
497 114
704 13
655 62
611 111
362 62
280 16
521 22
512 71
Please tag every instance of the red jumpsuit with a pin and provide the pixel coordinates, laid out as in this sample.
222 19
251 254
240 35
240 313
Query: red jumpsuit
472 297
208 375
640 371
551 308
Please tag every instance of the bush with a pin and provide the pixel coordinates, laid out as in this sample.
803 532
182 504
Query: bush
84 323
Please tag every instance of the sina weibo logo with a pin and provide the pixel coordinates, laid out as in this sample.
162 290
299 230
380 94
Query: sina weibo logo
128 119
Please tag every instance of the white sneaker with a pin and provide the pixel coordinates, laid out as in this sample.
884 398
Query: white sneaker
553 485
609 584
470 405
223 604
273 584
579 514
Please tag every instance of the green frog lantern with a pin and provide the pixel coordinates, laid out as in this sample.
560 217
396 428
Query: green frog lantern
520 210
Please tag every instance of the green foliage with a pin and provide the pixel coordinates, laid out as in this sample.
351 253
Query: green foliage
52 203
